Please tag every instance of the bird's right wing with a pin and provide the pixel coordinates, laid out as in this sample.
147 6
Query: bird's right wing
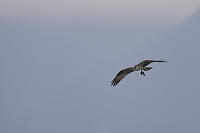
147 62
121 75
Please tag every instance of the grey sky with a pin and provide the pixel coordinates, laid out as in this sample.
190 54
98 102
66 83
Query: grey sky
55 76
163 9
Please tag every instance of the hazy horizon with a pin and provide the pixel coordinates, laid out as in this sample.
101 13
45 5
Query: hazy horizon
171 10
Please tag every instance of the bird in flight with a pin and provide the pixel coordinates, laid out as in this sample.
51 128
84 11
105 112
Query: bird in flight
142 66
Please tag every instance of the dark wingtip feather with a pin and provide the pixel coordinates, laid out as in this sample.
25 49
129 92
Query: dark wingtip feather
164 61
113 83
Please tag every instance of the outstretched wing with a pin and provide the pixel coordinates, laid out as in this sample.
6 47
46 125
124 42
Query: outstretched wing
121 75
147 62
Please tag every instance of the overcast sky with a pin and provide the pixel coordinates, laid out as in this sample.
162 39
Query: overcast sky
174 10
55 75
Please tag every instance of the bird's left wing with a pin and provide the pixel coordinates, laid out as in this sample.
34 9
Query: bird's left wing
121 75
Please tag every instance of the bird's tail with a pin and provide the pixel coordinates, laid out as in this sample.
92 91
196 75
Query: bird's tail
147 68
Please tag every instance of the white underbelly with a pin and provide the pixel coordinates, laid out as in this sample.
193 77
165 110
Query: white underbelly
138 68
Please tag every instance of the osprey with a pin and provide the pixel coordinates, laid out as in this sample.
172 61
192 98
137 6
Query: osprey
139 67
